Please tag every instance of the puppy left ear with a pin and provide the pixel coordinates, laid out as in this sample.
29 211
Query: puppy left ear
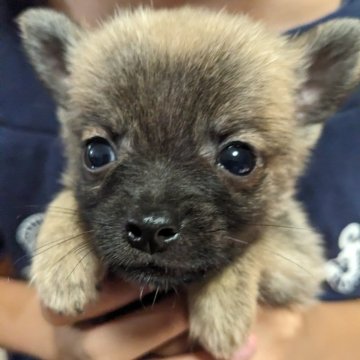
330 71
48 38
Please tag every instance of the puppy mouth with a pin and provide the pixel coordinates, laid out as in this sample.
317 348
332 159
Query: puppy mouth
160 277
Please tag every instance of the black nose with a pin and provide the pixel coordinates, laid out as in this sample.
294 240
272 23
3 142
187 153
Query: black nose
152 233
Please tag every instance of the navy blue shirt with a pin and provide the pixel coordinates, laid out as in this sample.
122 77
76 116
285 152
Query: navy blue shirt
30 152
31 162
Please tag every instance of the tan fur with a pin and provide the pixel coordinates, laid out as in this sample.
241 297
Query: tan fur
275 60
64 271
284 266
274 271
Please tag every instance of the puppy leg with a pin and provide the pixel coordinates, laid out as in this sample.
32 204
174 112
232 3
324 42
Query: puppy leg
65 271
294 270
223 308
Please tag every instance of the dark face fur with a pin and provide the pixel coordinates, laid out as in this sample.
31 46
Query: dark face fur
183 143
165 207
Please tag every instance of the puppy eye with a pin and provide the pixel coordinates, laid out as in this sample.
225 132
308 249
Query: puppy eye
98 153
238 158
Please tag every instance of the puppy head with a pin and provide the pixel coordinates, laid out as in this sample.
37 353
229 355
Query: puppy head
186 130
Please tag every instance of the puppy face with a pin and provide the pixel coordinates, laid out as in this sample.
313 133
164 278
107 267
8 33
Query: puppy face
184 131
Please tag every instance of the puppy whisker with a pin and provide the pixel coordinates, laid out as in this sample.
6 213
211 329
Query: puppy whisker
141 294
54 211
42 207
79 262
175 290
63 240
278 226
214 231
49 246
237 240
267 248
74 250
155 296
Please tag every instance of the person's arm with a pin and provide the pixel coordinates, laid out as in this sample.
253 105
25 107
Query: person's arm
6 268
328 330
22 327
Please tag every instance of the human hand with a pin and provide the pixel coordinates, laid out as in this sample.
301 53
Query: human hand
276 329
23 328
130 336
125 337
325 331
276 333
178 346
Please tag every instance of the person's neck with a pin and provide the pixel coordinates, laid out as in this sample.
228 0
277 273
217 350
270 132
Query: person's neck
280 15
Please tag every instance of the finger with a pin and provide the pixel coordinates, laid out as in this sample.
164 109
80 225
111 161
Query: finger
113 295
192 356
179 345
21 325
273 318
138 333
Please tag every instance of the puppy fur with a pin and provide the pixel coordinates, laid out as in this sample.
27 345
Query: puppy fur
169 89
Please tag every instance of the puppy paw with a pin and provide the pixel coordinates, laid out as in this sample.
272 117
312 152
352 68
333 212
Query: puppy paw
65 270
66 284
222 309
219 329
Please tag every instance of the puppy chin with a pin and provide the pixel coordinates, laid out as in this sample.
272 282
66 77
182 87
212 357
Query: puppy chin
159 277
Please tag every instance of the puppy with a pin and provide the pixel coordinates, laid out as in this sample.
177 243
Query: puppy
185 133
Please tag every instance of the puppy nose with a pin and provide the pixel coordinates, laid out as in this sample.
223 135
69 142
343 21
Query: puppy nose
152 233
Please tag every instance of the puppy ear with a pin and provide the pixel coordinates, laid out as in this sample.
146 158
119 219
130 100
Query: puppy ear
48 38
331 68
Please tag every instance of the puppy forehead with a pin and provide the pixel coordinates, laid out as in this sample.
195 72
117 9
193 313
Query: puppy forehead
184 69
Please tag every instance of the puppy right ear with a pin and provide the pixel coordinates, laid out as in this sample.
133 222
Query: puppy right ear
48 38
